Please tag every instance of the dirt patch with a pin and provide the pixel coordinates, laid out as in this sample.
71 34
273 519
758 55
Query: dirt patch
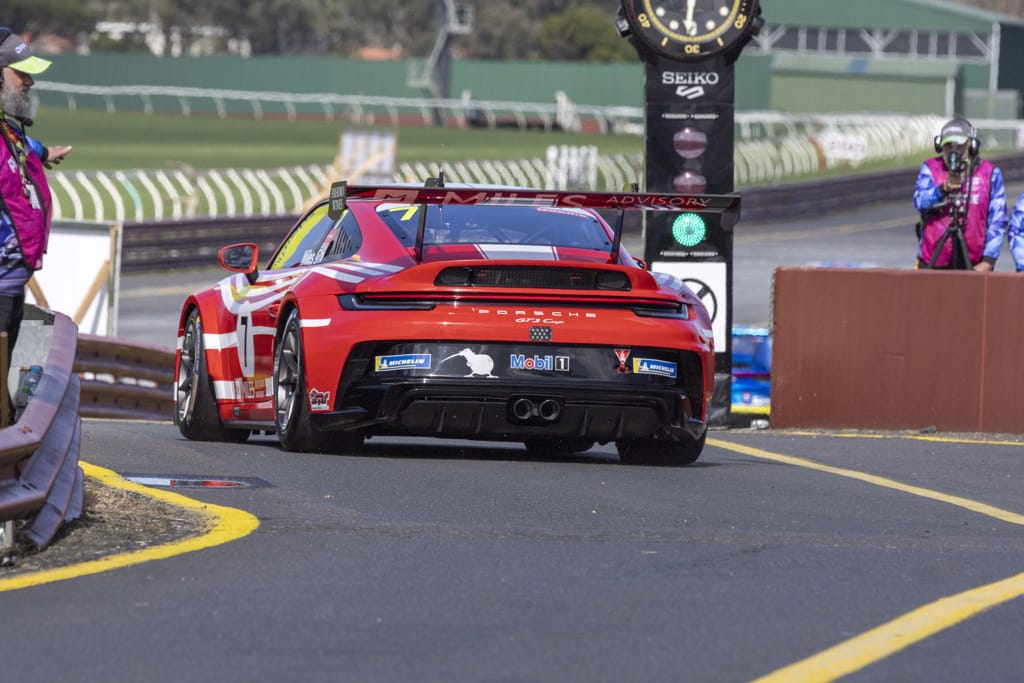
113 521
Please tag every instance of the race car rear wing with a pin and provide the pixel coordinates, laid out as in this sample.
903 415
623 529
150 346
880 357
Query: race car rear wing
435 192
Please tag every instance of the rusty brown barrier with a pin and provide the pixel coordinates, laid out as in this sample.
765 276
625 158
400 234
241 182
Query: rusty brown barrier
897 350
125 380
40 480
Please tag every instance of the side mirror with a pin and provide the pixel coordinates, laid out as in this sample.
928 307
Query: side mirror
240 258
641 263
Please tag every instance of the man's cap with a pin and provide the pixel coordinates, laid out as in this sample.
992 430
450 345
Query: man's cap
15 53
957 132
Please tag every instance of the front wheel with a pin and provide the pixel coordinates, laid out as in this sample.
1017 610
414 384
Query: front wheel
666 451
195 409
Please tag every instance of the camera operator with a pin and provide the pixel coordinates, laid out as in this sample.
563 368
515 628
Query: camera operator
962 202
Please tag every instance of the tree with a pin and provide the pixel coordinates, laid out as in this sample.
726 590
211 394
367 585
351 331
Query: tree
62 17
583 33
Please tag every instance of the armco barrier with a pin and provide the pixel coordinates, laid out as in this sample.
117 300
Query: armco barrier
125 380
897 349
40 479
796 200
166 245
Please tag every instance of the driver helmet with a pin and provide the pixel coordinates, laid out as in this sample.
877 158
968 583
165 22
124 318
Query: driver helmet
955 142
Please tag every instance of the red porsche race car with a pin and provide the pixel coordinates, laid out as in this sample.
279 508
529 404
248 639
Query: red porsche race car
458 312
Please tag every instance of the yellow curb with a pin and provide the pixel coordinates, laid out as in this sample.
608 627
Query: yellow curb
889 638
228 524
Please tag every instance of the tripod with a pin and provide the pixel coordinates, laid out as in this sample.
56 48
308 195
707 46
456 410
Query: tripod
959 258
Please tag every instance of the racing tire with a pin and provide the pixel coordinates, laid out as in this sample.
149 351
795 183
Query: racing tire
195 409
295 430
557 446
666 452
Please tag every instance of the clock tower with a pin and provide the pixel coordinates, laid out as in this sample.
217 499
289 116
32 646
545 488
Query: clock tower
689 48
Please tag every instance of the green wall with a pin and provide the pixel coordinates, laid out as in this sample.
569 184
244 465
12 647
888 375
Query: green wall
782 82
586 84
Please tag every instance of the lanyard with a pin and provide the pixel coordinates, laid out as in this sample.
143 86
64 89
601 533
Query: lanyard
17 148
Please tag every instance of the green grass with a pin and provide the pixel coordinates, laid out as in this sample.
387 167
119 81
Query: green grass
125 141
133 140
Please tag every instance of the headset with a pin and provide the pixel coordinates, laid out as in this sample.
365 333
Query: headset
973 143
4 33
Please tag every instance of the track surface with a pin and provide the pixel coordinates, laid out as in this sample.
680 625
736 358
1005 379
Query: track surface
463 561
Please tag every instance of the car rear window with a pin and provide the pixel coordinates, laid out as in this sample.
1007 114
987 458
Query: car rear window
489 224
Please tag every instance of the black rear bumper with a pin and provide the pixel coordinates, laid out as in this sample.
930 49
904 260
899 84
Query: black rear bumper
505 411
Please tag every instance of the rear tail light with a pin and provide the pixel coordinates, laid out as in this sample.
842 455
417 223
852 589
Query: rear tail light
352 302
676 312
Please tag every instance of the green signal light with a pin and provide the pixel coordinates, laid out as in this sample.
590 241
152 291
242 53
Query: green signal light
689 229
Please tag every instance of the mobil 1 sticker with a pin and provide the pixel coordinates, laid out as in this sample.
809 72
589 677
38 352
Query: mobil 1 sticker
538 362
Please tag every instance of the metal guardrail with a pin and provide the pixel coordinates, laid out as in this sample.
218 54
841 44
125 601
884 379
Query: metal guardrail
124 380
83 376
40 480
778 202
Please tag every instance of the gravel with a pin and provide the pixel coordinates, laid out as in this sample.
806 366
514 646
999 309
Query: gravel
113 521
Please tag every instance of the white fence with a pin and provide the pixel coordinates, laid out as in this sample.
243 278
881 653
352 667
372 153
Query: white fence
562 113
157 195
770 147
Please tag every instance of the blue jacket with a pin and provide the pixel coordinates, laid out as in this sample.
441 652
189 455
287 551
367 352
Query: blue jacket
1017 234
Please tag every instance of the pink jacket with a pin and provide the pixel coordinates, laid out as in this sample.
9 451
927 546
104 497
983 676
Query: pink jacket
975 218
32 225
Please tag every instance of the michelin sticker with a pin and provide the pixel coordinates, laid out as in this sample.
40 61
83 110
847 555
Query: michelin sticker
408 361
653 366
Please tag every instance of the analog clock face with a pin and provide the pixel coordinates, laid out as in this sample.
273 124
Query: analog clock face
689 29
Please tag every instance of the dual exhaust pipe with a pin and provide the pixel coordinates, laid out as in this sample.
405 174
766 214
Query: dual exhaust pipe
525 409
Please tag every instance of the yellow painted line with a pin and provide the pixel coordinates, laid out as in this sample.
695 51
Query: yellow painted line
227 524
910 437
878 643
889 638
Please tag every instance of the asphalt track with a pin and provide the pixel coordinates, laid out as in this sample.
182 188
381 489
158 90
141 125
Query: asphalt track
777 557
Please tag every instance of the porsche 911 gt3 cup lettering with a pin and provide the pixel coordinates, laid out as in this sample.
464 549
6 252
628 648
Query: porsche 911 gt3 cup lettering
653 366
479 364
319 400
538 321
523 315
550 363
409 361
